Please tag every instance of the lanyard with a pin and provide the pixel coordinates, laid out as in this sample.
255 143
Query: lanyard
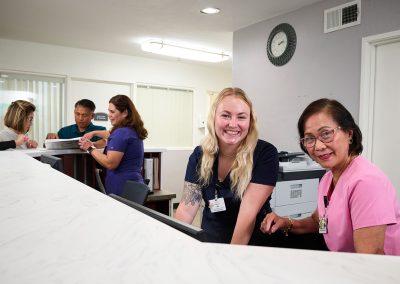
326 201
217 184
323 221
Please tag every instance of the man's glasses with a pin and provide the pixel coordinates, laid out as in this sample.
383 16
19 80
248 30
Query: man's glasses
325 136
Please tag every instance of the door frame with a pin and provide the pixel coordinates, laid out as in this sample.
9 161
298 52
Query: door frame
367 86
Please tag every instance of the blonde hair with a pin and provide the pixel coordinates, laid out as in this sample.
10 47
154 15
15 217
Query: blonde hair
241 171
17 113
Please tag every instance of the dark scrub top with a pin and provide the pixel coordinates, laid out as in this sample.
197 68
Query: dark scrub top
126 140
72 131
219 226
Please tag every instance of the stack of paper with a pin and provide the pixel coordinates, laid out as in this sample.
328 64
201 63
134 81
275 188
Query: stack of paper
57 144
299 166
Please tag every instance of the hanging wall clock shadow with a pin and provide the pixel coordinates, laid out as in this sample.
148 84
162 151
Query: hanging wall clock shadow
281 44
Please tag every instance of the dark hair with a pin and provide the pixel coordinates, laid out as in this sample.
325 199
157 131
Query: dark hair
17 113
87 104
340 115
133 119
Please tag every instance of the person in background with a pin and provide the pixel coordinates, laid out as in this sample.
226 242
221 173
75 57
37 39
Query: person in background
83 113
18 121
12 144
123 155
232 171
357 209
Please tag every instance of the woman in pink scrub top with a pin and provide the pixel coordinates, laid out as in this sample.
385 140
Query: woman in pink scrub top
357 208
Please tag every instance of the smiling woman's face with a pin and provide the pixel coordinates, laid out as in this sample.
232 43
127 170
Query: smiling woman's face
115 115
232 121
330 155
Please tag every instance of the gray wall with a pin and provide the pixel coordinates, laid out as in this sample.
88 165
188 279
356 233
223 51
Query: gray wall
324 65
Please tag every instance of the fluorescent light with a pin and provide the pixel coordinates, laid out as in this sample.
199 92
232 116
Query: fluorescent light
183 51
210 10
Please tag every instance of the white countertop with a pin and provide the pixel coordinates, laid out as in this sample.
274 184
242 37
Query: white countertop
54 229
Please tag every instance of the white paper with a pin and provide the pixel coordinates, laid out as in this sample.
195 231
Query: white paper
57 144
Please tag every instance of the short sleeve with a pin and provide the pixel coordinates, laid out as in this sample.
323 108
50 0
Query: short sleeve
61 133
266 164
371 202
119 140
191 169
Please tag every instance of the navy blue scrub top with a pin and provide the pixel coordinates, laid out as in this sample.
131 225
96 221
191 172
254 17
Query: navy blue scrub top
219 226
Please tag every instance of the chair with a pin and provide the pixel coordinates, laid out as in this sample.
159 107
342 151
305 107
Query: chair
54 162
99 181
135 191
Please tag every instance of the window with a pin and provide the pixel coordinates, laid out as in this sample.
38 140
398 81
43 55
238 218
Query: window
46 93
167 114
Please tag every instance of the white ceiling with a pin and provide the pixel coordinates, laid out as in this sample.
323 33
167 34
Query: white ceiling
118 26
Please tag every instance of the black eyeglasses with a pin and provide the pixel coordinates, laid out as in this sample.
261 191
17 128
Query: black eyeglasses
325 136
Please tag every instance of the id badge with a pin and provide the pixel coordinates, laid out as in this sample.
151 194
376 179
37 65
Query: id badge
323 225
217 205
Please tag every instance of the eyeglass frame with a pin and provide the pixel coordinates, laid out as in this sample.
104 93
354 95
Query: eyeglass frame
333 131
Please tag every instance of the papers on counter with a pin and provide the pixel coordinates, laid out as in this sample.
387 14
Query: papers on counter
299 166
57 144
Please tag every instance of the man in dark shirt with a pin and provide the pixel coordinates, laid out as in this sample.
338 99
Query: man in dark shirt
84 112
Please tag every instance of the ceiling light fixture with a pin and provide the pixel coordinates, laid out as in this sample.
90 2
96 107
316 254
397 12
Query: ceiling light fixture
183 51
210 10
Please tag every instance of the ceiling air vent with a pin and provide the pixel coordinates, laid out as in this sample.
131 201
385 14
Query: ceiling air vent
342 16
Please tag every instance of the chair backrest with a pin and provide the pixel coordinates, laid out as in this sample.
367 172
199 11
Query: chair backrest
99 181
54 162
135 191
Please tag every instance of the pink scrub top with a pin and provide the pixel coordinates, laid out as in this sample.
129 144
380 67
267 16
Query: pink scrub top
363 197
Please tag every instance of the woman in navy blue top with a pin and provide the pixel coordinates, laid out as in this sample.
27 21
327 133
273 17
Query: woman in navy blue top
232 171
123 155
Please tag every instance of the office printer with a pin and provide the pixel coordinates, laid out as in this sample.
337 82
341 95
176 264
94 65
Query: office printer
295 194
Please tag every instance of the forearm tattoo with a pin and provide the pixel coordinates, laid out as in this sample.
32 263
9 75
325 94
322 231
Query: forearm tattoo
191 193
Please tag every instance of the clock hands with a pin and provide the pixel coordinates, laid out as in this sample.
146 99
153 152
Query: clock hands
281 44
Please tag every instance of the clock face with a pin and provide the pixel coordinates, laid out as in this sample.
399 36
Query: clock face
281 44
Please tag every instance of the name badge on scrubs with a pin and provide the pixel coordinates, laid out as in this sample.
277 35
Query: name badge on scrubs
323 225
217 205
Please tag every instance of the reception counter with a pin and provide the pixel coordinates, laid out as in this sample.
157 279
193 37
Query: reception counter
54 229
81 166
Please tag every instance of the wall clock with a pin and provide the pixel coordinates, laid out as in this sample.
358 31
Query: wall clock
281 44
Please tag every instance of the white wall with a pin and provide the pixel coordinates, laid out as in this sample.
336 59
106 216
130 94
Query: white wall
95 65
89 64
174 164
324 65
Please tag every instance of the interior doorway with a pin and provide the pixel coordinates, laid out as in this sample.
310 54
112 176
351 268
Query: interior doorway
380 102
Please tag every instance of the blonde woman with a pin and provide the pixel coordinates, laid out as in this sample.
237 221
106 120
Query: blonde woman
18 120
232 171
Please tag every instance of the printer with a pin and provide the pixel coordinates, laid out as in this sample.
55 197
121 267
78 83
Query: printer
295 194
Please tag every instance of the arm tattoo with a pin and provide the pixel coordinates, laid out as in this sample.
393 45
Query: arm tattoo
191 193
